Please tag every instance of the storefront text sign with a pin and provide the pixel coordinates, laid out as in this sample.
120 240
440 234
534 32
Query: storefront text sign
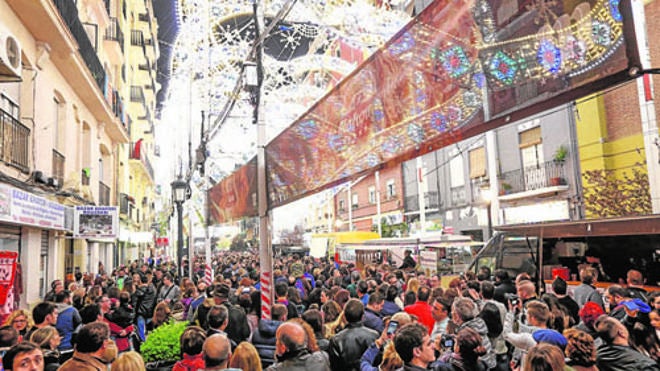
23 207
96 221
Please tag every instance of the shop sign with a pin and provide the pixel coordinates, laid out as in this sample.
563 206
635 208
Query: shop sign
21 207
96 222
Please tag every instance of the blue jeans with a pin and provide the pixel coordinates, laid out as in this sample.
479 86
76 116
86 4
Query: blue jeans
141 327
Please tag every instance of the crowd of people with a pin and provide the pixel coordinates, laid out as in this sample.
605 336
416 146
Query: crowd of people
327 316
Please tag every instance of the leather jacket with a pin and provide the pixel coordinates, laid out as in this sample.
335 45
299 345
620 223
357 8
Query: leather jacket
146 298
347 346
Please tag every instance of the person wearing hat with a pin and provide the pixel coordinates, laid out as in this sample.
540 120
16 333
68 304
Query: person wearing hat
238 328
408 261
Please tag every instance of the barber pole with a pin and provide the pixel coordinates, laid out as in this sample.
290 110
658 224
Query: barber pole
208 275
266 285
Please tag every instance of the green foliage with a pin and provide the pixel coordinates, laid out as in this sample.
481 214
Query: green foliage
560 154
163 343
391 230
608 195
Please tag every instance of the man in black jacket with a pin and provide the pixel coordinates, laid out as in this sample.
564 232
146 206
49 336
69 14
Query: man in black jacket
347 346
263 337
503 285
238 328
145 295
616 354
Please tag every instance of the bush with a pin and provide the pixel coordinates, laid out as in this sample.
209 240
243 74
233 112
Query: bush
163 344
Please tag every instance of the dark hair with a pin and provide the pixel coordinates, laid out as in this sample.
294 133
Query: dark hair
409 298
487 289
469 345
20 348
353 311
8 336
91 336
408 338
559 286
61 296
423 293
41 311
491 315
362 287
278 311
392 293
314 318
217 316
375 298
281 289
192 339
501 274
90 313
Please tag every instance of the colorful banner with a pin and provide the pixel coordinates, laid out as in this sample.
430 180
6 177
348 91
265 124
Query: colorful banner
7 274
425 88
96 222
235 196
22 207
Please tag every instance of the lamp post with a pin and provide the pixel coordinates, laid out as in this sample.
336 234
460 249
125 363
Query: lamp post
179 188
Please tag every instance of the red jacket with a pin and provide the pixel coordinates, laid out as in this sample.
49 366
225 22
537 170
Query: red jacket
422 310
190 363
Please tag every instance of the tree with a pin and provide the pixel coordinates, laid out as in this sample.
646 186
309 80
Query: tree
609 195
391 230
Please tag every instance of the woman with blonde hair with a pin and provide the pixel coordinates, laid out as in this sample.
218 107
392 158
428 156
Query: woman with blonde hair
21 321
128 361
48 339
245 357
412 285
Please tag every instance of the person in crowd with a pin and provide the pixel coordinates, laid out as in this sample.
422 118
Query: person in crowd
332 318
315 319
281 293
492 316
463 313
586 291
654 320
440 310
68 320
615 353
390 306
44 314
48 339
503 285
362 289
128 361
580 350
292 352
216 352
94 350
589 313
523 340
635 281
560 287
197 301
408 261
238 328
162 314
526 291
25 356
169 292
144 299
421 309
544 357
191 342
264 338
8 338
465 354
348 345
616 295
245 357
56 287
21 321
120 321
415 347
372 316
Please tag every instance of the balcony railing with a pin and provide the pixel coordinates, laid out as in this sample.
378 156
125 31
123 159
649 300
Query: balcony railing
58 166
144 17
458 195
137 94
104 194
118 107
114 33
431 201
477 186
69 13
139 154
14 142
545 175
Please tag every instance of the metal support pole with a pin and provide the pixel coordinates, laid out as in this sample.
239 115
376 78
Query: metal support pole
420 197
265 248
179 240
380 227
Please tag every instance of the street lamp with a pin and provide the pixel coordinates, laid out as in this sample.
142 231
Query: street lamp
179 189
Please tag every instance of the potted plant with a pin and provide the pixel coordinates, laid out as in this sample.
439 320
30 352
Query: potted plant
560 154
162 349
505 189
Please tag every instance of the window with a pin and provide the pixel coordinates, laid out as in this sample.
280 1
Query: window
457 177
342 206
531 147
372 195
391 189
7 105
354 201
477 162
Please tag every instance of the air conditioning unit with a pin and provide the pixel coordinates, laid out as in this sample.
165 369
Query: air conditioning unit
40 177
10 57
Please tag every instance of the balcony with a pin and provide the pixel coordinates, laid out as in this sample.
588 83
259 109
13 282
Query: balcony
104 194
532 178
144 17
118 107
114 41
137 39
69 13
58 166
458 195
138 153
14 142
137 94
84 177
431 201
